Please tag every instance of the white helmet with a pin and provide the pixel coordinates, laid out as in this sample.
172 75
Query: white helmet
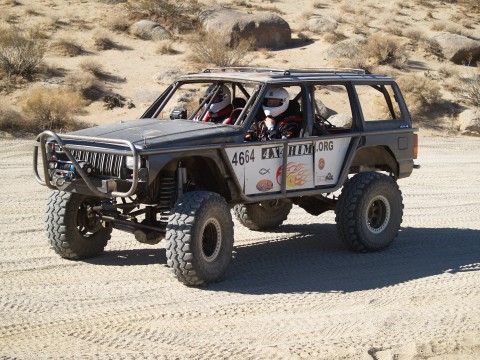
280 94
221 101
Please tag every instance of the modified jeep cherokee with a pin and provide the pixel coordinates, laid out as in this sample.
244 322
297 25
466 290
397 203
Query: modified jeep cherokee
174 175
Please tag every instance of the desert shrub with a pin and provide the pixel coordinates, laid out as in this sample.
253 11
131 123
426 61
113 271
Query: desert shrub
447 71
118 23
13 121
111 1
212 48
53 108
439 26
86 85
165 47
432 47
470 90
421 93
386 50
92 67
179 15
20 55
102 41
413 34
68 47
334 37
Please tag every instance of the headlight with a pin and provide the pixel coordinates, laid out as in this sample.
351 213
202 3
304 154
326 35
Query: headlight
129 162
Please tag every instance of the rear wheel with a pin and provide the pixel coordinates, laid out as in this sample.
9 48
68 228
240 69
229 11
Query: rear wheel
72 230
199 238
369 212
263 215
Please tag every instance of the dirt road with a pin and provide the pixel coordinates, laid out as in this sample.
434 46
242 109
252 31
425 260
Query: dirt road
293 293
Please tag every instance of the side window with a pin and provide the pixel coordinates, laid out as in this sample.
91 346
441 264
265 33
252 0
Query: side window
378 102
332 106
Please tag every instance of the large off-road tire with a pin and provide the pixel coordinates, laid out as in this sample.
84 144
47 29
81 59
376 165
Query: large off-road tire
369 212
263 215
70 231
199 238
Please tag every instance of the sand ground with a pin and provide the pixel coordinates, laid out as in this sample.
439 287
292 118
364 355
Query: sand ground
289 294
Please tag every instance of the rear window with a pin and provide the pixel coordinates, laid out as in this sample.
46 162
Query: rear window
378 103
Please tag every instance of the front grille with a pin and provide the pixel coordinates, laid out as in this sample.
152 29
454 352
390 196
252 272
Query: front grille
103 164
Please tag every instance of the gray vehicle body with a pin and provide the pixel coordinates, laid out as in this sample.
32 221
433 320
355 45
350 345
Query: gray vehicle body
176 177
162 144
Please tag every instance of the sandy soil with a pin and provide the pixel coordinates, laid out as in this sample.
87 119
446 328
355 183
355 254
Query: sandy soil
293 293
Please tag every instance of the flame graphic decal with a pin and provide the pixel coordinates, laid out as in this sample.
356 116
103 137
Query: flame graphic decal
297 174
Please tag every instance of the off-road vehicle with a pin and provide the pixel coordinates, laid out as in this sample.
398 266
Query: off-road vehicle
169 175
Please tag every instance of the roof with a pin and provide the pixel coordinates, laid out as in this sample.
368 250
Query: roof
285 75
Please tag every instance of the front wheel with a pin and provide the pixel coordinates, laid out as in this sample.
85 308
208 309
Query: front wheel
369 212
72 230
199 238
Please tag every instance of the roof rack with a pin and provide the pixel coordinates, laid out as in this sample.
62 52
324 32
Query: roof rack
243 68
288 71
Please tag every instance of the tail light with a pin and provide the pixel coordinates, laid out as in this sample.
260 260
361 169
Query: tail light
415 146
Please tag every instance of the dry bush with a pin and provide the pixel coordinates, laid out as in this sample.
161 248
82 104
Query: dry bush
20 55
414 35
394 30
53 108
432 47
439 26
13 122
92 67
178 15
347 8
470 90
12 2
102 41
467 23
212 48
334 37
111 1
31 12
421 93
165 47
68 47
447 71
86 85
118 23
386 50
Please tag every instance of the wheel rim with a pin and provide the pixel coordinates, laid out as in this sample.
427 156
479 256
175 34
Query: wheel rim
87 225
378 214
211 239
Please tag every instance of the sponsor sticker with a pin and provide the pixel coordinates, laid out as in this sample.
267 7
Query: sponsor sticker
264 185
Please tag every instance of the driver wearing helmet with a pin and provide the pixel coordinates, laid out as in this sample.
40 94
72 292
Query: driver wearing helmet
220 106
278 124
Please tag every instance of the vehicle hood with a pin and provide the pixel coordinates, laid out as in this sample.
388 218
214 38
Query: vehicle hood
151 133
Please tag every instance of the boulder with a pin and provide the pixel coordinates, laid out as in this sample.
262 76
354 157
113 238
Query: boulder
149 30
320 24
349 48
469 120
340 120
268 30
458 48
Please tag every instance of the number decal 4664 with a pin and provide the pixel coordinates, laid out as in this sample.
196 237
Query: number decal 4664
243 157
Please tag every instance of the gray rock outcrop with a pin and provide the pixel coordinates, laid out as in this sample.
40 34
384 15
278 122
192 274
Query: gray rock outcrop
149 30
458 48
268 30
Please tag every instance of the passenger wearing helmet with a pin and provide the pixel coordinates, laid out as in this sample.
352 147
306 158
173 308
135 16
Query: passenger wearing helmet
220 107
278 123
